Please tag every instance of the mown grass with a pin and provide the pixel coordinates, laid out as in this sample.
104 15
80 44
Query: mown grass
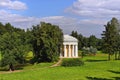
95 68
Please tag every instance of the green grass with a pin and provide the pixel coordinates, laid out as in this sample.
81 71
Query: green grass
95 68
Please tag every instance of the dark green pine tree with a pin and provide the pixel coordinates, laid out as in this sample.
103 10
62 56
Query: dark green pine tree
110 36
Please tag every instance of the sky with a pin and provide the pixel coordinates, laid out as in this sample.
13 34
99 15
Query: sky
87 17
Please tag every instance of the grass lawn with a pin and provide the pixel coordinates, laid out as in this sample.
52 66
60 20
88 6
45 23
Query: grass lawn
95 68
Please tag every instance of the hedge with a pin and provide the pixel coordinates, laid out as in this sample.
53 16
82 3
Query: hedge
69 62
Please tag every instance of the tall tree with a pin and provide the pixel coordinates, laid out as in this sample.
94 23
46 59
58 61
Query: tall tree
47 41
14 45
110 37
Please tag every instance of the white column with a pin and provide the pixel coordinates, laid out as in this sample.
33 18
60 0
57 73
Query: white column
65 54
76 50
69 51
73 51
61 52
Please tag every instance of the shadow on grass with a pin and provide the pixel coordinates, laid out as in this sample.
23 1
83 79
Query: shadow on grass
116 72
16 67
21 66
90 60
7 69
95 78
117 78
3 69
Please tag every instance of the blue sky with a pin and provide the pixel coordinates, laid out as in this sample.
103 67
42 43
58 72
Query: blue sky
85 16
43 8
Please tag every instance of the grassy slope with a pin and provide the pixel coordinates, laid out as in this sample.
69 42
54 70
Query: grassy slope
95 68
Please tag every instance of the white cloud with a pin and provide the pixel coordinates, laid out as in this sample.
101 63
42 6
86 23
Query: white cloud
95 8
62 20
18 20
93 14
13 4
67 24
85 26
93 21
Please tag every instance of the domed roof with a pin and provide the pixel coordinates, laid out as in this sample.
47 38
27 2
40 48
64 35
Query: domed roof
68 38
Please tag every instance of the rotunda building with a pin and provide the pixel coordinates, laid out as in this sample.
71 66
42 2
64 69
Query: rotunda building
70 47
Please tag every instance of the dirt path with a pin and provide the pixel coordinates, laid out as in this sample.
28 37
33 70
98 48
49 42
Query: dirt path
5 72
58 63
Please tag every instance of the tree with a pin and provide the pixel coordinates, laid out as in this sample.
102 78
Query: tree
74 34
110 37
87 41
85 51
118 46
80 41
47 41
93 50
7 49
92 41
14 45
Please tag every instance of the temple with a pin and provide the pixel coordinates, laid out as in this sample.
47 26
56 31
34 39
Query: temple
70 47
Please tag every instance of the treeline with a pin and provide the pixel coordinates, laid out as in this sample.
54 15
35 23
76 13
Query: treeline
44 40
109 43
91 41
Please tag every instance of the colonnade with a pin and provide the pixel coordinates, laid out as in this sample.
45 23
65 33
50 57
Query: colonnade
69 50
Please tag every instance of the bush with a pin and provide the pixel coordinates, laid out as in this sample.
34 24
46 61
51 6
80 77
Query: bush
72 62
88 51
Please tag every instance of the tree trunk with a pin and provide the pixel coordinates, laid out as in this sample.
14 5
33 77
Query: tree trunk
11 67
119 56
116 56
82 54
109 57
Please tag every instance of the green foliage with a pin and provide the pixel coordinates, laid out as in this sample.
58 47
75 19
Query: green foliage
85 51
111 37
14 45
7 59
74 34
87 41
93 41
47 41
89 51
0 55
93 50
72 62
29 56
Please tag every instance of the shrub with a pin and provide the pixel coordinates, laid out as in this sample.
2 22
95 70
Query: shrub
72 62
88 51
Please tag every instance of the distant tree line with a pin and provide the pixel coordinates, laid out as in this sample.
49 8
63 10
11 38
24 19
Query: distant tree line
87 41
